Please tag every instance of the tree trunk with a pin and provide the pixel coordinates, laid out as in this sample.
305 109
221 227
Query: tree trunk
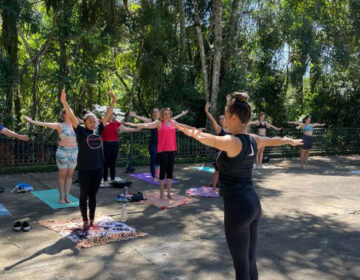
10 15
201 50
182 31
230 38
34 88
217 17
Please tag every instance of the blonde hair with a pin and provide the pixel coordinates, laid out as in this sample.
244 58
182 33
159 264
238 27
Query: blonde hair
162 112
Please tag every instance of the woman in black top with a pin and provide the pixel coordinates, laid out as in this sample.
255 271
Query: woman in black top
220 130
90 156
242 208
262 125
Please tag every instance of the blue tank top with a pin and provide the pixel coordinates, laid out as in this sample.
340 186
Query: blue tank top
235 174
67 131
308 128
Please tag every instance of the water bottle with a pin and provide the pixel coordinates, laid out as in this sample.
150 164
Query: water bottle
125 192
123 213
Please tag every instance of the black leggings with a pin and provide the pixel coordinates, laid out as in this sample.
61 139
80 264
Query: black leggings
241 217
89 181
111 151
167 160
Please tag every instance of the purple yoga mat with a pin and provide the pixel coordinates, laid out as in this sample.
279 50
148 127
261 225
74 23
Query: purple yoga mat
148 178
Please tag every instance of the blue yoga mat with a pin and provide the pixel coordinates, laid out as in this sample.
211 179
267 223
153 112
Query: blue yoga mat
4 211
205 169
51 198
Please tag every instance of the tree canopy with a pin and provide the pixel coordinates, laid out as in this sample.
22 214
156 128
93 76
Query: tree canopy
293 57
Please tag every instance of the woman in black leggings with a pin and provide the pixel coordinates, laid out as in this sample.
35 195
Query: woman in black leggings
90 157
242 209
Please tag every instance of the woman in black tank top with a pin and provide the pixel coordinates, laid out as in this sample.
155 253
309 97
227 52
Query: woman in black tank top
242 208
261 126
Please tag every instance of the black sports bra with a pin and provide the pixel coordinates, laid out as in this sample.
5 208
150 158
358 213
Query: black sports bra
262 125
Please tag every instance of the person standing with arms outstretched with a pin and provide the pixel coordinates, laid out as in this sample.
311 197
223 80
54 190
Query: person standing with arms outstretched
110 137
220 130
262 125
166 147
242 209
307 128
90 158
153 141
9 133
66 153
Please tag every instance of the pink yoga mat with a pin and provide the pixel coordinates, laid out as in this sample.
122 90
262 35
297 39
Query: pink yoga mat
176 200
148 178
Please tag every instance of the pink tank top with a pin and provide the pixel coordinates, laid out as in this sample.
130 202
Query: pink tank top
166 138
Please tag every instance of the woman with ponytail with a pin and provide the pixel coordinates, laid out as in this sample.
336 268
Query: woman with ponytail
242 208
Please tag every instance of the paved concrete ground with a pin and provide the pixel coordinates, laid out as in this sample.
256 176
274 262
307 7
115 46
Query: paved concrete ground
310 229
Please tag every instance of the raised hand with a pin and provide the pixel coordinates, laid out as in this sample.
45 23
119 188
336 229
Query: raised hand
207 106
132 114
228 98
185 112
63 96
112 95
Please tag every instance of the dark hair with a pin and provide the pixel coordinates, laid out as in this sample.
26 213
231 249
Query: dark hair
240 106
261 114
305 118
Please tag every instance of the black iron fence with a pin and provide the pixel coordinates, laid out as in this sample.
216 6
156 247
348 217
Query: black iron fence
134 146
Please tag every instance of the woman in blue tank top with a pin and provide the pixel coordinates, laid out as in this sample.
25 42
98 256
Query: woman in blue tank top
307 128
242 207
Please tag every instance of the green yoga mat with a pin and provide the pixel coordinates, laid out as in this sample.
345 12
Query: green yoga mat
51 198
205 168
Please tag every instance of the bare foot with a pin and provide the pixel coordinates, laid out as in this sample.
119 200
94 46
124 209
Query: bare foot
86 225
91 223
62 201
67 200
214 190
169 196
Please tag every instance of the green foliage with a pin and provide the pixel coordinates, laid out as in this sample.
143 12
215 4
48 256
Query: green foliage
293 57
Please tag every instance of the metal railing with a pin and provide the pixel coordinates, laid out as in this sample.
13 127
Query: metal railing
42 147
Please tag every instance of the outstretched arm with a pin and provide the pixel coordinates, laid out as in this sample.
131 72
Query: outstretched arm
253 123
143 119
54 126
214 124
183 113
296 123
276 141
228 143
318 124
69 112
110 109
272 126
10 133
151 125
129 129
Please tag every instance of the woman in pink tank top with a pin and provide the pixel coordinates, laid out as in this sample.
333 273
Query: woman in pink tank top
166 147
